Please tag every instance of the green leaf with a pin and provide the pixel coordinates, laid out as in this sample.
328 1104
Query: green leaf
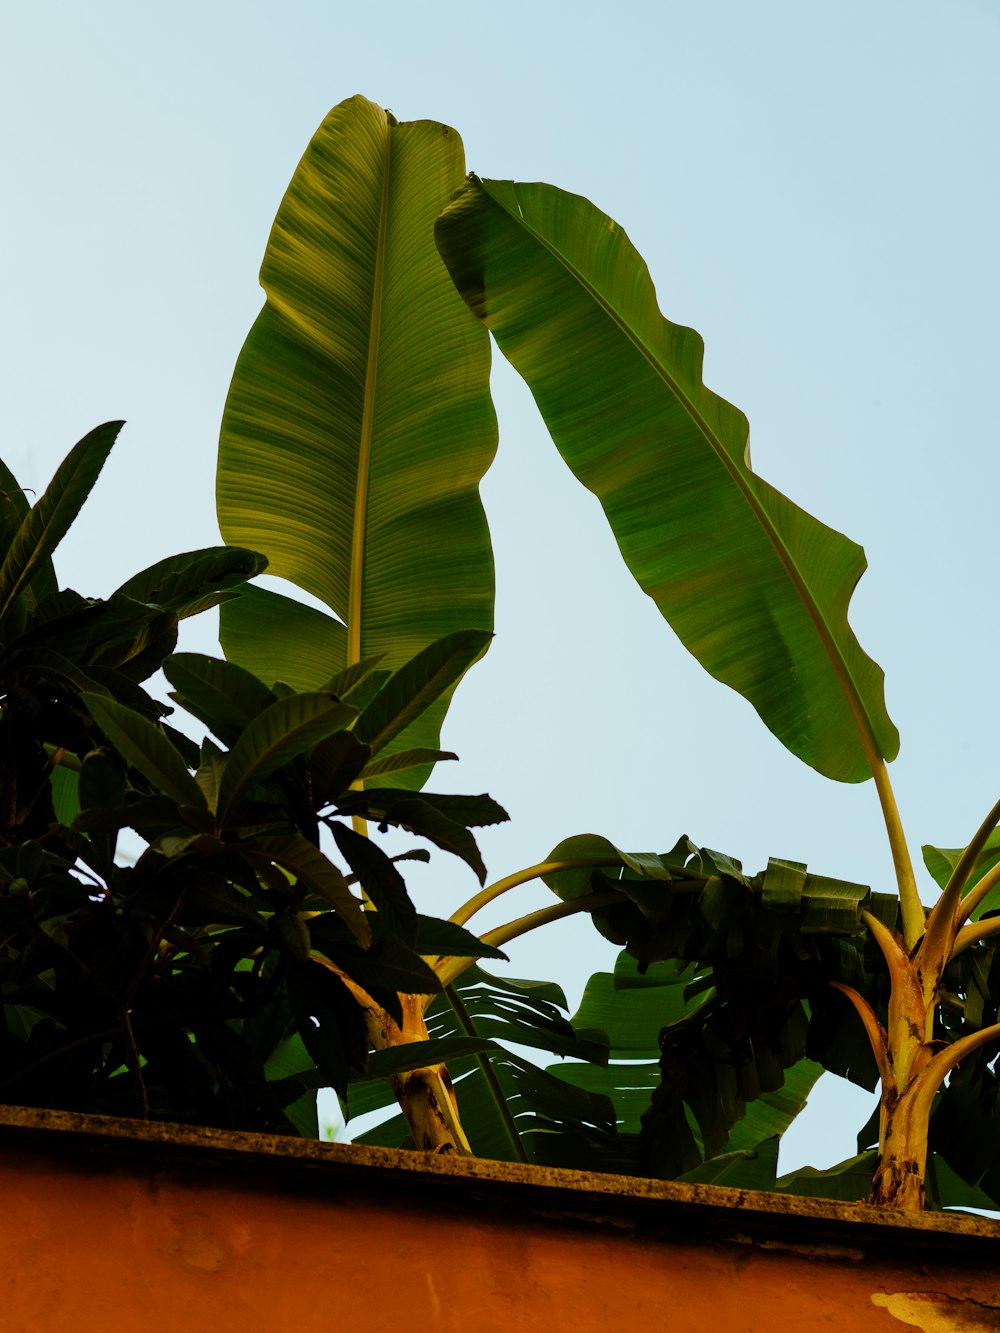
92 633
772 1112
102 781
65 785
401 760
850 1181
941 861
286 728
418 1054
278 638
628 1086
754 587
390 968
329 1020
418 684
222 695
143 745
952 1191
832 906
43 527
745 1169
360 678
214 902
188 583
601 854
524 1012
420 816
359 424
14 507
334 766
307 863
434 936
633 1018
47 662
380 880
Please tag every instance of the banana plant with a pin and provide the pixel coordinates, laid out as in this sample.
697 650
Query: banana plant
754 587
357 428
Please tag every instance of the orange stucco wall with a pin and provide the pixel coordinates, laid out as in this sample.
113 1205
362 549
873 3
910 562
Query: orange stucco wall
172 1235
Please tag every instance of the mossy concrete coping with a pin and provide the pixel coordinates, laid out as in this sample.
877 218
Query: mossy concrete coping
118 1224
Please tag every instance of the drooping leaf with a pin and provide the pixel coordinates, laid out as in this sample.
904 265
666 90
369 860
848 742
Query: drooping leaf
529 1013
146 748
43 527
755 588
359 424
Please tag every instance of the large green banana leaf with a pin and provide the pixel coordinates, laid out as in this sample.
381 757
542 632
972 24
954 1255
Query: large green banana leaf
359 424
756 589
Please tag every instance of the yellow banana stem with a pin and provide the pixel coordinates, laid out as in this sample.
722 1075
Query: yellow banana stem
909 898
450 967
501 886
876 1033
974 933
978 892
951 910
425 1096
964 866
927 1082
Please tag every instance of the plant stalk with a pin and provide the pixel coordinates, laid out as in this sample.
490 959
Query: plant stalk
450 967
909 898
501 886
426 1096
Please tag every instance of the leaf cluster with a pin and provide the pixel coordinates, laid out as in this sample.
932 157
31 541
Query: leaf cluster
734 972
169 912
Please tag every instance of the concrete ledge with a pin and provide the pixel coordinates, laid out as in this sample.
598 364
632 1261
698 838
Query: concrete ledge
367 1237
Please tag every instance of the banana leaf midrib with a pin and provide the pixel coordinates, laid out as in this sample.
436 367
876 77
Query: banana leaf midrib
367 420
863 722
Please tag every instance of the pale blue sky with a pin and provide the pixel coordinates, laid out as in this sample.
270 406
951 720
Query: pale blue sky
814 187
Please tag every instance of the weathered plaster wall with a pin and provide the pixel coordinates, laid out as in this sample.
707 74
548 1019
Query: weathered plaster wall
188 1231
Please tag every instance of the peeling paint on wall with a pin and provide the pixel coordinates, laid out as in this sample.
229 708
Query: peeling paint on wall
936 1312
